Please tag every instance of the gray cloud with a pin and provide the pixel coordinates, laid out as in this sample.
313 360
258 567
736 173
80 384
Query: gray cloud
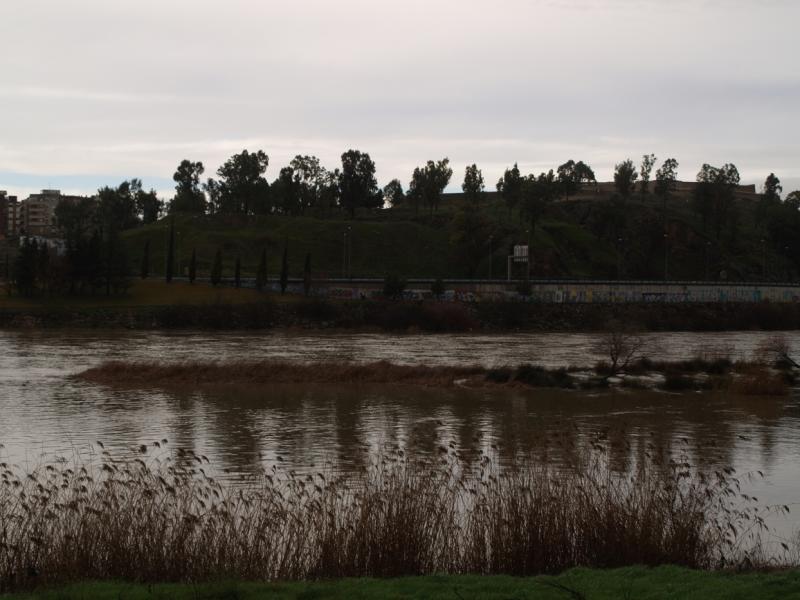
129 88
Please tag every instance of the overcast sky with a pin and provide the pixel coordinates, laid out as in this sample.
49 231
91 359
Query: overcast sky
96 91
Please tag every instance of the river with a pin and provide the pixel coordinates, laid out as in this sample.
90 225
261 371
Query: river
44 413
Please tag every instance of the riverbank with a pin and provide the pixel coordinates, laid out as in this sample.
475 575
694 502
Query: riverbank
155 305
697 374
635 582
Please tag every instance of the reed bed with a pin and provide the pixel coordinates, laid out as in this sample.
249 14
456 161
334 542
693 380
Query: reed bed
273 371
161 516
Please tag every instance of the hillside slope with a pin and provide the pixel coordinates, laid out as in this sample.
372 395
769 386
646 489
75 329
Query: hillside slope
591 235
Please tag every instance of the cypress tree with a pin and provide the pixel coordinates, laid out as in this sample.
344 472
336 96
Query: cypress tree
216 268
307 275
285 268
25 268
261 274
237 273
146 260
193 266
171 250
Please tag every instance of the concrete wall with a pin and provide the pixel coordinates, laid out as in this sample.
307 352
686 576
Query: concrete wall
576 292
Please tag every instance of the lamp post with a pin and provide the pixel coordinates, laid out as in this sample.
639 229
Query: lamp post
619 258
708 257
763 259
666 257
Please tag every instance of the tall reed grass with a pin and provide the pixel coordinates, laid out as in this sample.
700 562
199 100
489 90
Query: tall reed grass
158 516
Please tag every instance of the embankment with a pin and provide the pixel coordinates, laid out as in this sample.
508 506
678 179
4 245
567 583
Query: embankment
411 316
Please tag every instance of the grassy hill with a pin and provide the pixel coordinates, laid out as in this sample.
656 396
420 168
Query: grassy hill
588 235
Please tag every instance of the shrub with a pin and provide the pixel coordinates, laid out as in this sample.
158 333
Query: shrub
437 288
537 376
676 382
393 287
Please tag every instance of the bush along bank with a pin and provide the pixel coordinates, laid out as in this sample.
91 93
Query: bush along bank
402 316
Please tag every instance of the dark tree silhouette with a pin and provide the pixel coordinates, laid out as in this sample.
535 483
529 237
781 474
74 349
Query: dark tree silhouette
148 206
772 188
625 176
241 188
393 192
285 268
473 184
193 266
189 198
358 185
145 270
170 252
648 162
261 274
428 183
307 275
510 188
216 268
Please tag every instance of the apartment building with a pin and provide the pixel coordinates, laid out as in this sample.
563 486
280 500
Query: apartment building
9 215
37 213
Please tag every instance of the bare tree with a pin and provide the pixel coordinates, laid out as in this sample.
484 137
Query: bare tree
621 346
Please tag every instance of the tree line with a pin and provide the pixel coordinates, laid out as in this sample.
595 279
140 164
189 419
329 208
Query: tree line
95 261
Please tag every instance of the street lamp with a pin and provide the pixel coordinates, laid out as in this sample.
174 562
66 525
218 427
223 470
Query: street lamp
708 257
763 259
619 258
666 257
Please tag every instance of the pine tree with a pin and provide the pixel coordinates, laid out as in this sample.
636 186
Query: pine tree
237 273
307 275
145 272
216 269
261 274
171 250
193 266
285 268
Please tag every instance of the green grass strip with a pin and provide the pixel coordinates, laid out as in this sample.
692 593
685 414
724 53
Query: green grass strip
630 583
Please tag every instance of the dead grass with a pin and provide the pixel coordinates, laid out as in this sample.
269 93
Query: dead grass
270 371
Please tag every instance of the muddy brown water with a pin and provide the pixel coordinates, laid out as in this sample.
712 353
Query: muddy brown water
44 413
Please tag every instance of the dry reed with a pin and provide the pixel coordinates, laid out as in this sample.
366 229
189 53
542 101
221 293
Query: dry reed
158 516
272 371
